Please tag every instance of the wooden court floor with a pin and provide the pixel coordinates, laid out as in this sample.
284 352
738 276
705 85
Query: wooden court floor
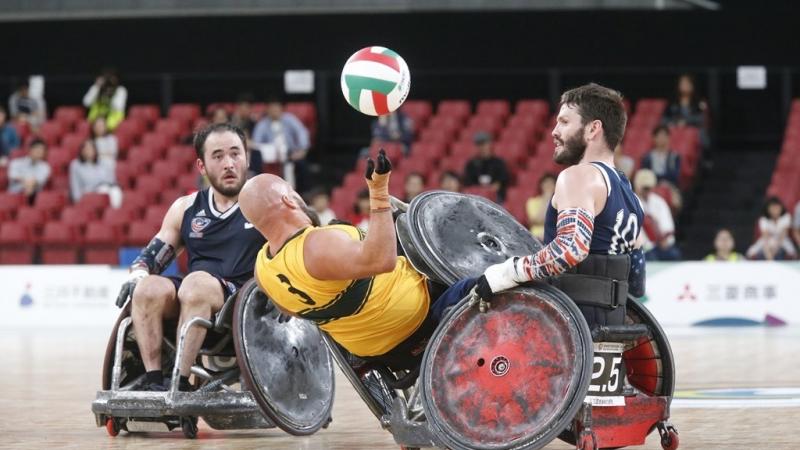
50 378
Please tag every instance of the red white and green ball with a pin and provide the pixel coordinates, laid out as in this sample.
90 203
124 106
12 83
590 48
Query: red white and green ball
375 81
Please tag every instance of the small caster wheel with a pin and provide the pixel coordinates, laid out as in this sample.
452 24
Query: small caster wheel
670 440
189 427
328 422
403 447
112 427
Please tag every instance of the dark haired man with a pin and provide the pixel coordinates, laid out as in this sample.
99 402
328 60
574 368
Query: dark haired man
222 248
593 215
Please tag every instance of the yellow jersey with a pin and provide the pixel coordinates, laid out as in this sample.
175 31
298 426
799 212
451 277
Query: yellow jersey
368 317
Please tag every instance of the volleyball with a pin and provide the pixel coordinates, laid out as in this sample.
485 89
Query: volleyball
375 81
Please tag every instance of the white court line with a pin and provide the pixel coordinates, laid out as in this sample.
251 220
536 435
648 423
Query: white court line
692 403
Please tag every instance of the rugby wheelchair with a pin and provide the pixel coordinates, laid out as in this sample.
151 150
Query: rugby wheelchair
255 370
520 369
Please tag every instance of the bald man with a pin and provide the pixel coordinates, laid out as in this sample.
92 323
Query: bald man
353 286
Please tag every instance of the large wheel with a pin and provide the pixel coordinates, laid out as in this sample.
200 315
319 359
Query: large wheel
284 364
510 378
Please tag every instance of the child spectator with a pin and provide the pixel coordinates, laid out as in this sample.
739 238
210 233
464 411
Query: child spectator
724 248
319 201
414 185
773 225
450 181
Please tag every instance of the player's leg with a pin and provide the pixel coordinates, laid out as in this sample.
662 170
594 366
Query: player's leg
154 300
200 295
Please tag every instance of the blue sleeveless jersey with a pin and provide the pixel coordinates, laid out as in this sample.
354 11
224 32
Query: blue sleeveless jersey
220 243
618 224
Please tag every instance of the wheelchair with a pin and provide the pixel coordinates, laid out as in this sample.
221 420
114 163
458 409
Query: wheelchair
520 369
253 371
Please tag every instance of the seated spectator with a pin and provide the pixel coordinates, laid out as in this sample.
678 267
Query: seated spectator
25 108
623 162
105 142
219 115
687 109
796 224
656 208
29 174
450 181
773 226
536 207
414 185
724 248
9 139
662 160
285 131
106 99
89 173
319 201
242 116
393 127
486 169
360 215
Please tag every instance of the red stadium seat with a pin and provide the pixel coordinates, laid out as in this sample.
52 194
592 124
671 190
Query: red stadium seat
101 244
419 111
522 136
305 111
124 174
58 182
146 113
454 163
77 218
460 109
500 109
139 200
483 191
121 218
3 179
421 166
94 202
71 144
354 180
168 197
463 149
394 150
50 132
651 107
59 161
141 158
155 213
10 203
490 124
428 149
151 184
183 154
140 233
436 135
83 129
443 122
227 106
16 245
185 112
59 244
174 128
536 108
188 183
128 133
467 134
157 141
68 116
168 170
51 202
515 155
34 219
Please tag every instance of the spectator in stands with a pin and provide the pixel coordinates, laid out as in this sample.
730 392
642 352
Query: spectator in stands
450 181
9 139
360 215
687 109
486 169
657 209
773 226
319 201
394 127
796 224
285 131
623 162
536 207
724 248
105 142
106 98
26 108
414 185
662 160
219 115
89 173
242 116
29 174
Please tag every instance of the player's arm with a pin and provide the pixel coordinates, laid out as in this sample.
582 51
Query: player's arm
334 255
159 252
580 193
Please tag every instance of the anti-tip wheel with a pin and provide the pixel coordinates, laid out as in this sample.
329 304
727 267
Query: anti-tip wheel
189 427
587 441
670 440
112 427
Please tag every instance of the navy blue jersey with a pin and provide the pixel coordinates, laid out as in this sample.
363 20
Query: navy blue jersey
618 225
220 243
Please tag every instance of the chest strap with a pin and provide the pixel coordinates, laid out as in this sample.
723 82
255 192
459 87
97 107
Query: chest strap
599 280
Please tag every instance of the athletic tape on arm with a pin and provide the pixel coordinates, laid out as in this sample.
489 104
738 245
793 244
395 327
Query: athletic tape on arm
155 257
574 228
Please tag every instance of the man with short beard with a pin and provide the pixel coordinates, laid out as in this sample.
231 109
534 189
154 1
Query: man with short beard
593 215
222 248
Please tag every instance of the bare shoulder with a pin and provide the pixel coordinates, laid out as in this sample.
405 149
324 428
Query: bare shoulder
582 175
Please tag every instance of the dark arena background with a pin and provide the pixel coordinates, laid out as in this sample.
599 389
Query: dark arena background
712 147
